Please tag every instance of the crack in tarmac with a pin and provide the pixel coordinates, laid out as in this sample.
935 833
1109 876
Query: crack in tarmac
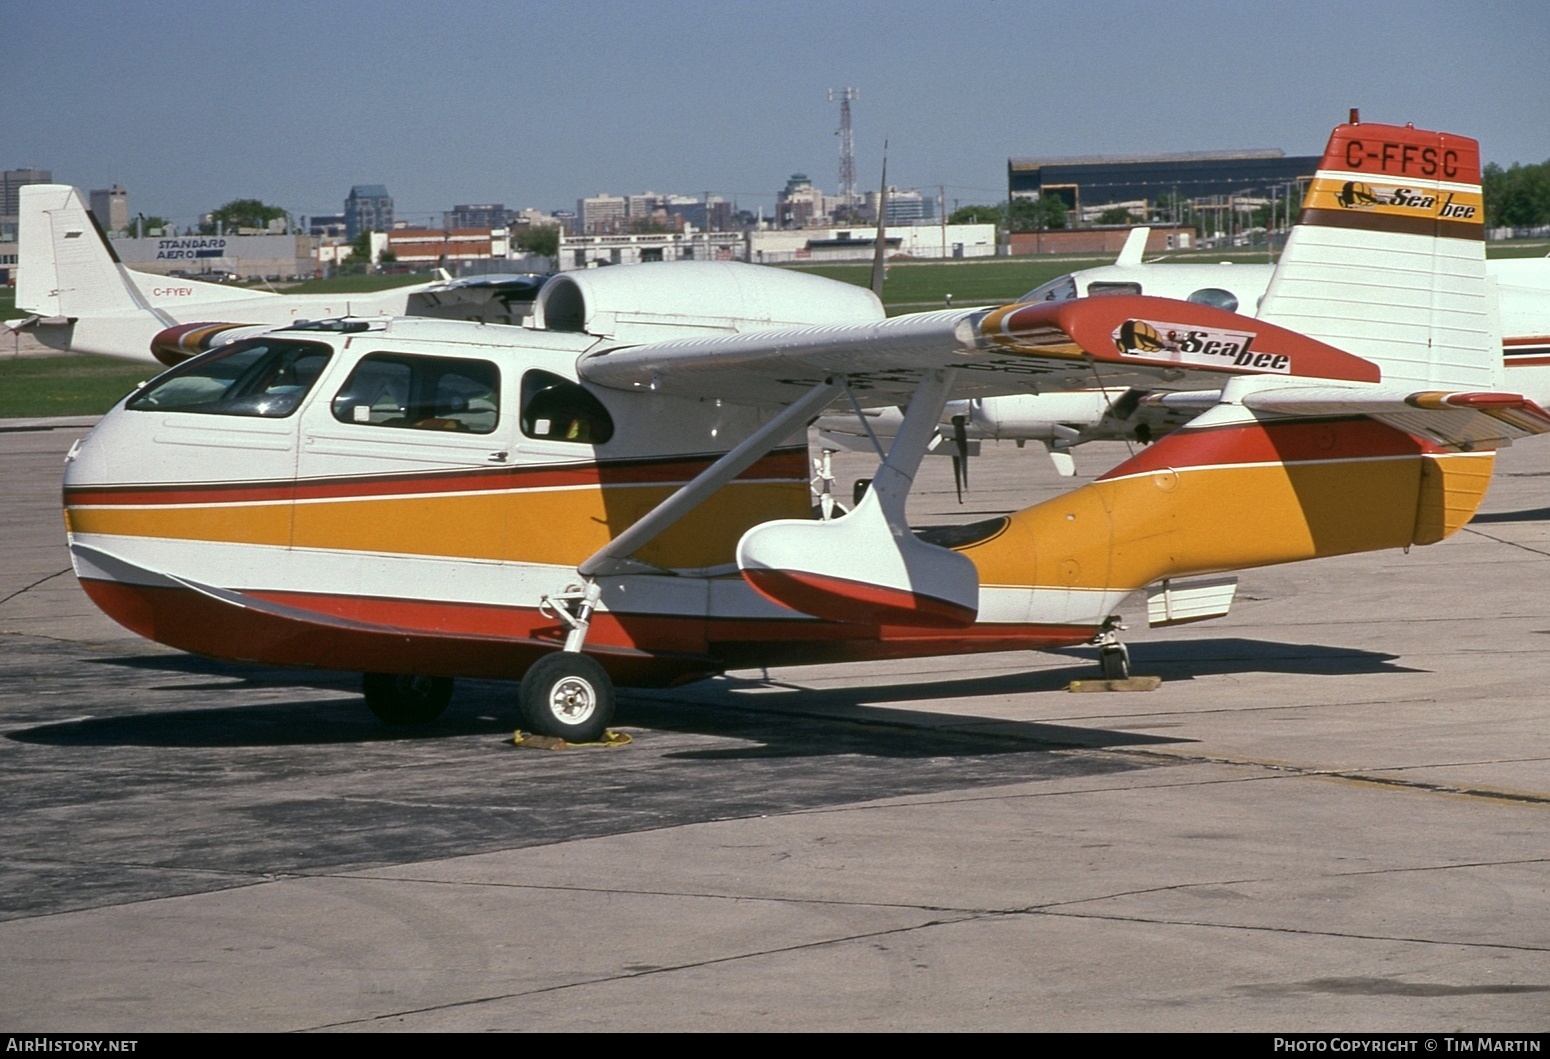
1051 912
643 973
35 584
1499 540
1355 776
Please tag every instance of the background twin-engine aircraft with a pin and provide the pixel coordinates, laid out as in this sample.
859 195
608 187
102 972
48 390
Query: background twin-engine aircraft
619 491
79 298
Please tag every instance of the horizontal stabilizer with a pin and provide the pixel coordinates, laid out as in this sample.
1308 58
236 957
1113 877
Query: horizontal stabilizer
1463 420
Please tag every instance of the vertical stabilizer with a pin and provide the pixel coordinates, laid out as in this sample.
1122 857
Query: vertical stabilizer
1388 259
1135 246
80 275
37 277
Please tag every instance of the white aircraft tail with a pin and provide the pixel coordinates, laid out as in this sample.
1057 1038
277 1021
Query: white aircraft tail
1135 246
67 267
1388 259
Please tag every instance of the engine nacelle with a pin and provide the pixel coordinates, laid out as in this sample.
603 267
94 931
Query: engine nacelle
173 345
642 303
1039 417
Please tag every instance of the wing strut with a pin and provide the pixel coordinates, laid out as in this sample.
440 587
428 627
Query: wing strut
575 605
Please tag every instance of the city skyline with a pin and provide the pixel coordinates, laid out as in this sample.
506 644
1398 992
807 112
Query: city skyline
190 106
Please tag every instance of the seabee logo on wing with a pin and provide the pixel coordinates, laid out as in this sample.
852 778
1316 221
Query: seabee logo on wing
1206 347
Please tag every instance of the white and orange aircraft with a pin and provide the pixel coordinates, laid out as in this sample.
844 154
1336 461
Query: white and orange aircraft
618 492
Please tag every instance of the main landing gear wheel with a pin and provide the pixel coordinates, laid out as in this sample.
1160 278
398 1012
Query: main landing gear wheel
567 694
1114 661
405 698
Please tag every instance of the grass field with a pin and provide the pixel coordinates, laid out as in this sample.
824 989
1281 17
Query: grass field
66 386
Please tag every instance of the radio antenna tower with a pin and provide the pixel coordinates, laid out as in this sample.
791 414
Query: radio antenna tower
847 144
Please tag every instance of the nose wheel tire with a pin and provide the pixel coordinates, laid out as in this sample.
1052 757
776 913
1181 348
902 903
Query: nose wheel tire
569 695
405 698
1114 661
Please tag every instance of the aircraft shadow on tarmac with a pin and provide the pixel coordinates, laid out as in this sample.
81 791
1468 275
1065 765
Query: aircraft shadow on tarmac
1533 514
783 720
789 732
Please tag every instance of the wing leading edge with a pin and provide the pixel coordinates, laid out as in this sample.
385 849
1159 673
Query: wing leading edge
1153 343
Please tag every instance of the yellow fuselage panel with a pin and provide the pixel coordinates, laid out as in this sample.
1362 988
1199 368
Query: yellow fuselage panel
559 526
1131 531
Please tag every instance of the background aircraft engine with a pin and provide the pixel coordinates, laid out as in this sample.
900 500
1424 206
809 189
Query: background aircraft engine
1044 417
174 345
696 298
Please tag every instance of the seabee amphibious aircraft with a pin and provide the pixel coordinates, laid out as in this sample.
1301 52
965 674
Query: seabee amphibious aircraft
619 492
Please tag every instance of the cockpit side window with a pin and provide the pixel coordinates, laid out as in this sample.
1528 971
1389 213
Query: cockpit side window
1100 289
260 377
1059 289
556 409
421 393
1222 299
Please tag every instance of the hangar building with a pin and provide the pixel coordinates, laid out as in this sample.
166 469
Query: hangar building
1092 180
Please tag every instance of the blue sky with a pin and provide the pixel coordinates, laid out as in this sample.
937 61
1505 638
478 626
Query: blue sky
190 105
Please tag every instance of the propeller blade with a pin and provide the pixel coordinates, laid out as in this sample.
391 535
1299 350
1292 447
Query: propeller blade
961 459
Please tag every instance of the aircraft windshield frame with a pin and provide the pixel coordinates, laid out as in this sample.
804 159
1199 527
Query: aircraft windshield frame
1059 289
263 377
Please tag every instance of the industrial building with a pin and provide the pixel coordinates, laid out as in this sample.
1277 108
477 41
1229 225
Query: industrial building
814 245
1092 180
272 257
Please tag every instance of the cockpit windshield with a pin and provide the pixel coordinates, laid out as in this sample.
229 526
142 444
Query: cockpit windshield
1059 289
260 377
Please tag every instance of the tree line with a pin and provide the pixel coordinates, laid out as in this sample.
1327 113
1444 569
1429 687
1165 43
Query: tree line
1515 197
1518 196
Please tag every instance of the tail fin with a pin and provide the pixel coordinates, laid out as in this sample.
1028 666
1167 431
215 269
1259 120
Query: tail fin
1388 259
67 267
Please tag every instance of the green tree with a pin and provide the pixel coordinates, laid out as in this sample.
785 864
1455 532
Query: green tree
241 213
978 215
1115 215
147 225
540 239
359 260
1031 215
1518 196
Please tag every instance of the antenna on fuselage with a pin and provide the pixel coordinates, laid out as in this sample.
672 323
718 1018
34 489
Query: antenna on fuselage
880 249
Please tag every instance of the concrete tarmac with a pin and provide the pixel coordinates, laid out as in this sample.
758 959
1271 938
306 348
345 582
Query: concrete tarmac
1333 815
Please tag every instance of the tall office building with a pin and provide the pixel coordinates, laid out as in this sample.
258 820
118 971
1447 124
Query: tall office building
111 207
11 183
369 208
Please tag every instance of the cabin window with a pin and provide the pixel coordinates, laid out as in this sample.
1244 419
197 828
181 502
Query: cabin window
260 377
1222 299
556 409
421 393
1059 289
1099 290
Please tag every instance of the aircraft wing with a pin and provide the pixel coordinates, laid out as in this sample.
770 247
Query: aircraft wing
1122 341
1462 419
524 284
